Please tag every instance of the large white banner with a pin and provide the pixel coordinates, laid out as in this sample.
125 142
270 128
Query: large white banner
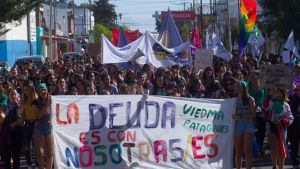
154 52
119 132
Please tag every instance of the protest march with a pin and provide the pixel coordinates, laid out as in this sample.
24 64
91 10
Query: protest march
208 90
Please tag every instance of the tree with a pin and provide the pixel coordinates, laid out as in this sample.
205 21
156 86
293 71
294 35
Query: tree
104 13
71 4
281 16
14 10
101 29
184 30
86 5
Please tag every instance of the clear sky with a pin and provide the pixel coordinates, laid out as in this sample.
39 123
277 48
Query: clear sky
137 14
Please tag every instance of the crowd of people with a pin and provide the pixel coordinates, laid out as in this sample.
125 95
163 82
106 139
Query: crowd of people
25 100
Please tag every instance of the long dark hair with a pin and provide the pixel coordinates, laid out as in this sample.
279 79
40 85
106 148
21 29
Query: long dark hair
204 74
155 87
245 93
284 94
194 83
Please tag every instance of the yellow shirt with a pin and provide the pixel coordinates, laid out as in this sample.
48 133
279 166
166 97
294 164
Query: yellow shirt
28 112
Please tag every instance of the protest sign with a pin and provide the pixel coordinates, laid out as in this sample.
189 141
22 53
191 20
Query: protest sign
93 49
276 76
203 58
132 132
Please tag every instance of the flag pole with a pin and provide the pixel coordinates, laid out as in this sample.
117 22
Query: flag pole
229 28
50 31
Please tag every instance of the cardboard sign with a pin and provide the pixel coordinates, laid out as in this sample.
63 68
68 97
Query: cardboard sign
93 49
203 58
118 132
276 76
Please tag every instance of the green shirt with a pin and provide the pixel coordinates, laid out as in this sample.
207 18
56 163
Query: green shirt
3 100
258 96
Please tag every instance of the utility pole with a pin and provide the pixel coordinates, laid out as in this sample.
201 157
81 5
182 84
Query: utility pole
50 31
184 6
90 17
194 5
210 10
215 15
229 28
55 51
84 21
29 33
74 26
201 19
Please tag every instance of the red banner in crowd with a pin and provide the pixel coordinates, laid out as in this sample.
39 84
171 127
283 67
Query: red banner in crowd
180 15
130 36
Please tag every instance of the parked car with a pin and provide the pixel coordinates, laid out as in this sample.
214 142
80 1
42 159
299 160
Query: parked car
71 55
38 60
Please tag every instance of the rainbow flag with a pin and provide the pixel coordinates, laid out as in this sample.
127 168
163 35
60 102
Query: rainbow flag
247 21
283 146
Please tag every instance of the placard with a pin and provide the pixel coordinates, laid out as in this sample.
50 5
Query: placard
203 58
276 76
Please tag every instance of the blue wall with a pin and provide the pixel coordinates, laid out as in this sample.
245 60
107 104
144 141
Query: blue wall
12 49
3 51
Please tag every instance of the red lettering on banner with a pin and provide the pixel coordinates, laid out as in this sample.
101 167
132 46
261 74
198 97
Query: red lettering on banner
160 147
82 137
71 108
196 148
109 136
96 135
213 146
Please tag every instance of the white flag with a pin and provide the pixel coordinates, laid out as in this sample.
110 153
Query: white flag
290 42
290 45
256 40
208 44
219 49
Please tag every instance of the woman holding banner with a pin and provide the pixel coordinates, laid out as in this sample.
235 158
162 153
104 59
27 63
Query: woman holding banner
259 94
42 131
244 128
281 117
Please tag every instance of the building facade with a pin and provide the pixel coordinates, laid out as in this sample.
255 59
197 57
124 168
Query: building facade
20 40
84 21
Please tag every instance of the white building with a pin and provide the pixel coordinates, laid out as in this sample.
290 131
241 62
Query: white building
59 19
84 21
20 40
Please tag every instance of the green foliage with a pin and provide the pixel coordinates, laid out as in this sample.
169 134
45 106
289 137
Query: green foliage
117 26
281 16
184 30
87 5
101 29
14 10
71 4
104 13
235 32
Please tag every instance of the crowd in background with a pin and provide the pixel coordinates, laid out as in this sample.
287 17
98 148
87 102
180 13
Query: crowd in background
25 101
